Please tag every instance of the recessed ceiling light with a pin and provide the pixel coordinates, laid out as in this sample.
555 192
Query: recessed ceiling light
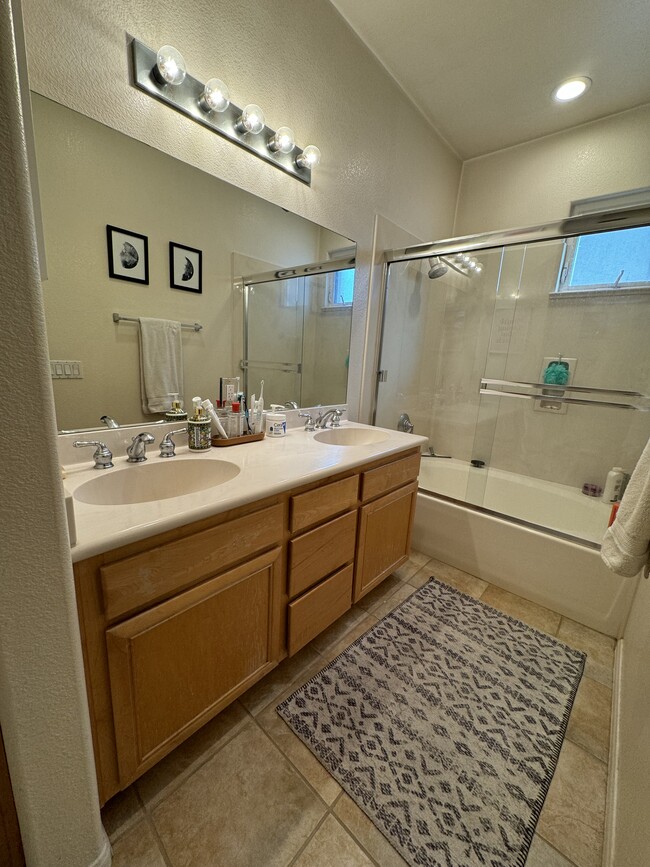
571 89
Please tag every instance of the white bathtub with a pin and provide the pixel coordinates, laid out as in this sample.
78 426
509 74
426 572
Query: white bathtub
567 576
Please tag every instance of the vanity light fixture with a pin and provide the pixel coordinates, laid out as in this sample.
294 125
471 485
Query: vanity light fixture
251 119
572 88
216 96
309 158
282 141
163 75
170 67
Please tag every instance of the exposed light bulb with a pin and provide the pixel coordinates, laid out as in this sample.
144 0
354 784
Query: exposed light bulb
170 67
283 141
571 89
309 158
251 119
216 96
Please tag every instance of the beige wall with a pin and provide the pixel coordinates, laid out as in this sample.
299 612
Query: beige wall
536 182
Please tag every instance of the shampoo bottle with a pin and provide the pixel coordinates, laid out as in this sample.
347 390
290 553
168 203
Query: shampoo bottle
614 484
199 428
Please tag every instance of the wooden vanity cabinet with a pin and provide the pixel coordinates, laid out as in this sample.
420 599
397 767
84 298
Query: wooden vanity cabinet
175 627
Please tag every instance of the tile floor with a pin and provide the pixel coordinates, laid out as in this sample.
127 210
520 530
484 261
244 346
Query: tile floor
245 792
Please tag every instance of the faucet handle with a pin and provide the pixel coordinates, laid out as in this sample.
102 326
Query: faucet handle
103 455
309 424
167 444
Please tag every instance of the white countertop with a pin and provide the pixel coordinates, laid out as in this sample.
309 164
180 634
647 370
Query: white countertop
266 468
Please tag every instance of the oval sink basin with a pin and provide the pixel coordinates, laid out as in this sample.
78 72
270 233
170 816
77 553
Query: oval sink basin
143 483
350 436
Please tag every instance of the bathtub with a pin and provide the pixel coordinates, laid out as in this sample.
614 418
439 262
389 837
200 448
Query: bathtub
523 553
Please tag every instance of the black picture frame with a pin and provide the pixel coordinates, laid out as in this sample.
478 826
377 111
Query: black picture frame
185 268
128 255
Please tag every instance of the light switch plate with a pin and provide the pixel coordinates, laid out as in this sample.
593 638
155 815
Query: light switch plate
66 370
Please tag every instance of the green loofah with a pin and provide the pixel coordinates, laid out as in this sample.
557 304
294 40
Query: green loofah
556 374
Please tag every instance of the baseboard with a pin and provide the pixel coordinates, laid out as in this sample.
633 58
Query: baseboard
105 857
612 771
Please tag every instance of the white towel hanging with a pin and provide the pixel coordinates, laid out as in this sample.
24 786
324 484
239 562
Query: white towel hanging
626 544
161 362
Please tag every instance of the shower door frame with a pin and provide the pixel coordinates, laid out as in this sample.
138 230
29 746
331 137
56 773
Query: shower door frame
570 227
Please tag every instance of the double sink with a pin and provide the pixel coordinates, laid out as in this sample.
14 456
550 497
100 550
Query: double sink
147 482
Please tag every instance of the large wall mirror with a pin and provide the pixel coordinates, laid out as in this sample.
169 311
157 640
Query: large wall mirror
276 289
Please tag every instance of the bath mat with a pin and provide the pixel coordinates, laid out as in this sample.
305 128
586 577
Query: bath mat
444 724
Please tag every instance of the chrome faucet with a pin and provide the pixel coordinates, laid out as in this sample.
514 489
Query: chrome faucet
405 424
103 456
167 444
323 418
137 451
291 404
109 422
309 424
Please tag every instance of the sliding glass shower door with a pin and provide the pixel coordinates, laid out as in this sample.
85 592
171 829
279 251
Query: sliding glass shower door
534 385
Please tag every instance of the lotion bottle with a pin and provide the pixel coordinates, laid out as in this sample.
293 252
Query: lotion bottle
276 421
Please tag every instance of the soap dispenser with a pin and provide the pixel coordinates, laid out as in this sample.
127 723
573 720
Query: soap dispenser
199 428
176 413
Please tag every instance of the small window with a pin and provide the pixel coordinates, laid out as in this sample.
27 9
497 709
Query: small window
339 288
617 260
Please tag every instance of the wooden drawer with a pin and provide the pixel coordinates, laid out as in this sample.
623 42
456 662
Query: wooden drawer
176 665
319 552
316 506
390 476
318 608
145 578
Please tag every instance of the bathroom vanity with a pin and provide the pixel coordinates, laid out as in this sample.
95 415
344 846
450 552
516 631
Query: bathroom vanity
182 612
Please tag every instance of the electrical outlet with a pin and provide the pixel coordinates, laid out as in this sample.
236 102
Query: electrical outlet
66 370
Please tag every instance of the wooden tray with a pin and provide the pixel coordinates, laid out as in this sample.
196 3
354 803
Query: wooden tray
219 442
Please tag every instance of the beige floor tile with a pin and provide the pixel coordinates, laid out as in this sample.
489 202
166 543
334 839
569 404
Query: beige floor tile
300 757
121 812
419 558
407 570
516 606
422 577
332 846
370 837
138 848
338 631
573 817
590 720
379 595
267 689
388 605
172 770
598 647
543 855
245 807
343 643
462 581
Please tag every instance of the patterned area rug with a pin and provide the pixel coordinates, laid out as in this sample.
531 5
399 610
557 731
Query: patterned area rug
444 724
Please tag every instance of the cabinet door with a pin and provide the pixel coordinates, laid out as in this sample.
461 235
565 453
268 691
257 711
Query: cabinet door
384 537
175 666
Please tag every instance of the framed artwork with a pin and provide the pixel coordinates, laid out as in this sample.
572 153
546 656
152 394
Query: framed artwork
128 255
185 264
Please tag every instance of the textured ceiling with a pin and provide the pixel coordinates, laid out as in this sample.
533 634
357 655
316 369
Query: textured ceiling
482 72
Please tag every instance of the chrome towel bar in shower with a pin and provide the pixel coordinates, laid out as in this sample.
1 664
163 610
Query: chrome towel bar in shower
555 394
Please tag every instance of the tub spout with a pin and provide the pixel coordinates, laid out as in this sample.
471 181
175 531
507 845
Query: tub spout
430 453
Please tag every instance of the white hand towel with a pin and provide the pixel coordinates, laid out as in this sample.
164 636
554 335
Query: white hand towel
626 544
161 363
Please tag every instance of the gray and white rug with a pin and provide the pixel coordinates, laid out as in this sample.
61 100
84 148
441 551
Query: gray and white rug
444 723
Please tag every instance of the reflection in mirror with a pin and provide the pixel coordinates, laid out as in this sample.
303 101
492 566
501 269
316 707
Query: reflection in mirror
297 331
91 176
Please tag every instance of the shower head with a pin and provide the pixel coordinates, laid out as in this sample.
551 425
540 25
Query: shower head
437 269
